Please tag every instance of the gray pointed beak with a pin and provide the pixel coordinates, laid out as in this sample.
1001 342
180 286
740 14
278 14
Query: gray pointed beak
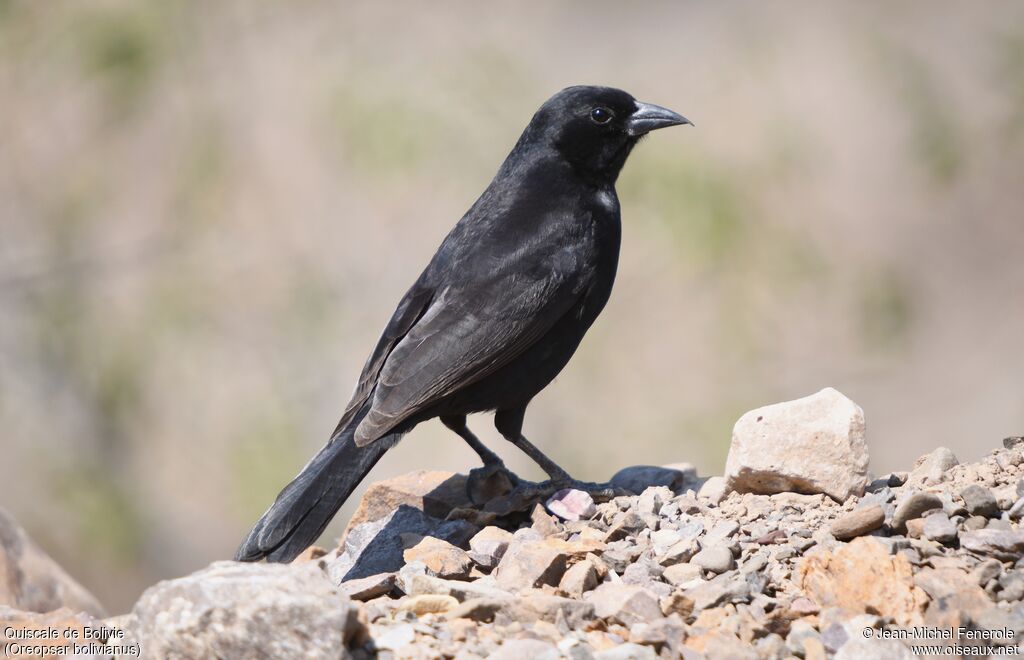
649 117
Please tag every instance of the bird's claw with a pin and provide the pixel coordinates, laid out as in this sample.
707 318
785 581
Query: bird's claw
525 494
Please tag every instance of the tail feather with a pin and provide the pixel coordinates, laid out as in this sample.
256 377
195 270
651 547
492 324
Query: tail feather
306 505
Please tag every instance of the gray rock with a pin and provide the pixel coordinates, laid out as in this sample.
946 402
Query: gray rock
939 528
1005 545
232 610
637 478
979 501
714 558
858 522
1017 510
975 522
913 507
1011 586
376 546
811 445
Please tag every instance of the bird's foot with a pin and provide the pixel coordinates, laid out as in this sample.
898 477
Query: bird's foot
492 480
526 494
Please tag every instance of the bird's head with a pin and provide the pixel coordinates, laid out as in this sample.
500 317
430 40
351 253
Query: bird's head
595 128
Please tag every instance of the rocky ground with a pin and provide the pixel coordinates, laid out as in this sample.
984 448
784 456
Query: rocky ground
795 552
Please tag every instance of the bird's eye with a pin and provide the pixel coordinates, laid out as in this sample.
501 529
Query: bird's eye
601 115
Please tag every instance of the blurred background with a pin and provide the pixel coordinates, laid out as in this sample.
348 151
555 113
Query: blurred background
194 198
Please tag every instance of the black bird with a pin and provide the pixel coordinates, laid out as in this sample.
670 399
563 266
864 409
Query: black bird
495 316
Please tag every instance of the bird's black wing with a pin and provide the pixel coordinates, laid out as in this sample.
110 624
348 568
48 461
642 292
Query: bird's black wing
409 311
472 327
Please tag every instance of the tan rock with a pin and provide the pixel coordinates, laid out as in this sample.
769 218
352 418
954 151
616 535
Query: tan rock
31 581
862 577
532 563
810 445
442 559
435 493
858 522
579 579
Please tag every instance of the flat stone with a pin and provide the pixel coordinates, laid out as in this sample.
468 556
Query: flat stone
460 590
624 604
1004 545
479 609
979 501
939 528
810 445
913 506
637 478
368 587
534 606
714 558
858 522
441 558
571 504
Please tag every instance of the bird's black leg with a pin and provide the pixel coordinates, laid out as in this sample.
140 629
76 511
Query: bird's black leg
489 481
510 424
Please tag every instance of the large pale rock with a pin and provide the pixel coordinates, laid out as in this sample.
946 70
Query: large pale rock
810 445
31 581
232 610
433 492
862 576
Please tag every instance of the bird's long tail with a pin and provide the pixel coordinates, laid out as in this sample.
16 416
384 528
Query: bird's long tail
302 510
